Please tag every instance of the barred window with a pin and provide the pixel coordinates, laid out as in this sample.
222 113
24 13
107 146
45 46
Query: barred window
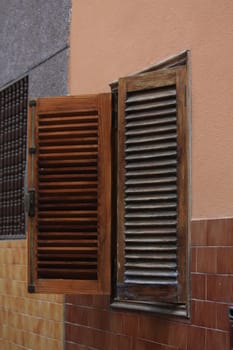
13 140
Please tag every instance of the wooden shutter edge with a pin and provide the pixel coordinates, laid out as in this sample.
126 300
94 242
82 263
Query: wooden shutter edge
105 212
120 182
31 219
183 185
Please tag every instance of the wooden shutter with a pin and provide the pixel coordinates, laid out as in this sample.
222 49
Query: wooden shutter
69 196
152 187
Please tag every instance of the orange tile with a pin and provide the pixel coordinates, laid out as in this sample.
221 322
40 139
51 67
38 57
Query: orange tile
55 311
53 344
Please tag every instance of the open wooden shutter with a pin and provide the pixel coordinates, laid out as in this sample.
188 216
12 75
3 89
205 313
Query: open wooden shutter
69 194
152 187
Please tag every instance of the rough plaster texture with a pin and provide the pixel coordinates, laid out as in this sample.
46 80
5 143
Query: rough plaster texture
117 38
30 32
50 78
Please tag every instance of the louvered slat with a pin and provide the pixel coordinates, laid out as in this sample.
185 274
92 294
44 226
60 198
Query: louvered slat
147 114
67 174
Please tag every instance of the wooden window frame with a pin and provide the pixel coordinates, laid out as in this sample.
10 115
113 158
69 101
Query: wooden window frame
178 309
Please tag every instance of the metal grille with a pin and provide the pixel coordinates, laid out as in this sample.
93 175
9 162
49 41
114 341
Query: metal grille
13 138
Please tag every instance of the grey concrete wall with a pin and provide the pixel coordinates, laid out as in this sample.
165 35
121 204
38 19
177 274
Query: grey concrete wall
34 39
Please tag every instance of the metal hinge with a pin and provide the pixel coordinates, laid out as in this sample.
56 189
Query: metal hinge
31 288
32 103
32 150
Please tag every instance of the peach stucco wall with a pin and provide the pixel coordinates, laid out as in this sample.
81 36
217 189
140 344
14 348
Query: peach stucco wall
114 38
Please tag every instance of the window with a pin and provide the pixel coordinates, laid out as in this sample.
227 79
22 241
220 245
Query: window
152 201
76 217
13 131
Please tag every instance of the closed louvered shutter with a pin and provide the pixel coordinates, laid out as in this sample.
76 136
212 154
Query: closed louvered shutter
70 170
152 187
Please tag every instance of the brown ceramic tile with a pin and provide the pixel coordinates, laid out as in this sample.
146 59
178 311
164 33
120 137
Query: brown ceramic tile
70 299
72 346
123 343
82 300
219 232
106 340
71 333
199 233
198 286
220 288
206 260
130 324
225 260
222 317
196 338
153 329
98 319
216 340
75 314
194 260
116 322
167 347
81 335
204 313
144 345
101 339
177 335
101 301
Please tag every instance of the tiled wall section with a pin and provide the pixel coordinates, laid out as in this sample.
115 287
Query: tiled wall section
92 324
27 321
